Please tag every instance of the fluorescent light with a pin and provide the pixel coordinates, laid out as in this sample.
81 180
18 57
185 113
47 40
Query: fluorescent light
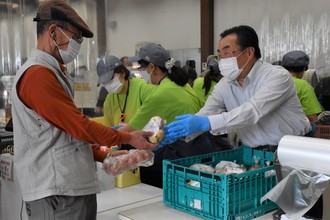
8 4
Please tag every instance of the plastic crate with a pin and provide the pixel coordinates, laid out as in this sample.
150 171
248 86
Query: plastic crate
323 131
220 196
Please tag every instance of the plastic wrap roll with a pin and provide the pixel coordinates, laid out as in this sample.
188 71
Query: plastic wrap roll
305 153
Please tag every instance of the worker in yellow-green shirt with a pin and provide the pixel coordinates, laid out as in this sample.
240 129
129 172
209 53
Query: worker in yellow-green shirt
173 96
126 94
203 86
296 62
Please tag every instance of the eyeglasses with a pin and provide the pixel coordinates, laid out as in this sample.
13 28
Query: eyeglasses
77 37
228 54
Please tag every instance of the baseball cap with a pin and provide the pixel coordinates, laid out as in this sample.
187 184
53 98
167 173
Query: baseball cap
59 10
105 67
295 58
154 53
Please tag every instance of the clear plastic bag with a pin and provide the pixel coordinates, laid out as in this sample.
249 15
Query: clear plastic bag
155 125
133 159
323 118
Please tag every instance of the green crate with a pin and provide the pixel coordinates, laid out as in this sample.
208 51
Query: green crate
220 196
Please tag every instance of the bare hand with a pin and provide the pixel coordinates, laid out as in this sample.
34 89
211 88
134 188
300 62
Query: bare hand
98 110
139 140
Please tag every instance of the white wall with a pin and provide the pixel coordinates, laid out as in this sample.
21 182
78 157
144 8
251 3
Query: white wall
172 23
282 25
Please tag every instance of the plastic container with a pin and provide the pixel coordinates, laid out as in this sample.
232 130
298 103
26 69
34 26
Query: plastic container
323 131
128 178
220 196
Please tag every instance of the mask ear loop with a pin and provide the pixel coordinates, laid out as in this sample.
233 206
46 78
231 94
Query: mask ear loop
246 61
53 35
64 33
242 52
58 45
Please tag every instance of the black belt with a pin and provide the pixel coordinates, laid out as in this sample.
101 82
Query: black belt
271 148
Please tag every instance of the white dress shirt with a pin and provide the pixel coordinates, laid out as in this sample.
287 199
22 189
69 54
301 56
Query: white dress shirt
262 111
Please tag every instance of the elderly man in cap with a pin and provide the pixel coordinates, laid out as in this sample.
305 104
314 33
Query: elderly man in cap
296 62
53 156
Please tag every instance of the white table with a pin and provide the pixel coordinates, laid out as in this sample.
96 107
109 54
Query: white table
111 202
160 211
157 210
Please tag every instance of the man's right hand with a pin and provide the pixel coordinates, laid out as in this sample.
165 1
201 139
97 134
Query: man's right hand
186 125
139 140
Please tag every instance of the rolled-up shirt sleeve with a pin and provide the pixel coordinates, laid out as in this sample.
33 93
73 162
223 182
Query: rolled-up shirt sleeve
40 90
270 95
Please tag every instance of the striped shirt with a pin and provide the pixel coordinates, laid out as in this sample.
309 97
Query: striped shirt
262 111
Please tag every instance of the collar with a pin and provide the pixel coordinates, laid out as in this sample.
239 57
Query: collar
46 57
165 76
253 72
251 75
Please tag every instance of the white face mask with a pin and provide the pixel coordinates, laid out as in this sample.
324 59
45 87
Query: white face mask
149 78
114 86
229 67
145 75
71 52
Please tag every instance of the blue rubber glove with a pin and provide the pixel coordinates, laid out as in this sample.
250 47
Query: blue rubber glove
166 140
314 128
117 126
187 125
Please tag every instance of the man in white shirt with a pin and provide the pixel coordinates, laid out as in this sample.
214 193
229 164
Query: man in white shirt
255 98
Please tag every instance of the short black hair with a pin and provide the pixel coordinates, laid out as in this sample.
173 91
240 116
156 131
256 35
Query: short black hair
123 58
277 63
143 63
122 69
177 74
296 69
246 37
191 72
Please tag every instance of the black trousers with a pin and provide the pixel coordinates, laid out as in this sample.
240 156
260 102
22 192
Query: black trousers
205 143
